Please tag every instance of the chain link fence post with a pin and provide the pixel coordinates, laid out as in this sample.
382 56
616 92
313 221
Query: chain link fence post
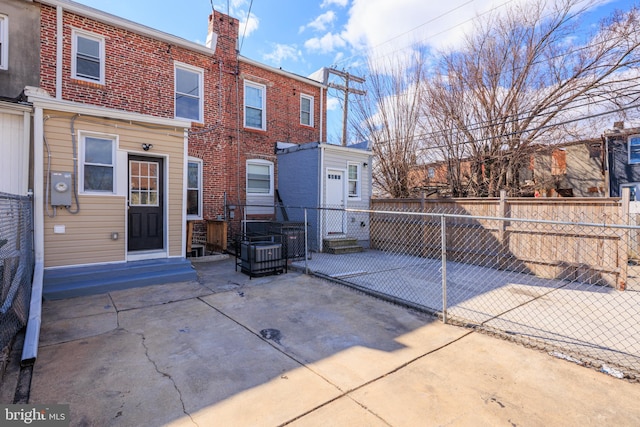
443 244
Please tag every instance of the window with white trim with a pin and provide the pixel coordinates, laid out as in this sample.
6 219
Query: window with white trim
87 60
188 92
194 188
4 42
634 149
97 163
354 180
306 110
255 105
259 177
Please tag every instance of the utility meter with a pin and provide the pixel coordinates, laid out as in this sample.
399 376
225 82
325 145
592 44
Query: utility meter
60 188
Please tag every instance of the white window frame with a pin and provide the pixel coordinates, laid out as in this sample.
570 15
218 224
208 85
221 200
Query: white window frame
82 135
199 162
263 89
637 138
259 162
4 42
358 181
75 33
200 73
311 100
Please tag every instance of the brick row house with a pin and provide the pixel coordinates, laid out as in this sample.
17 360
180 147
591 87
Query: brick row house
137 132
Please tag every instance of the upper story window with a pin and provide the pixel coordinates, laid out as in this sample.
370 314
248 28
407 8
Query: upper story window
634 149
354 180
188 92
194 188
306 110
97 169
254 105
87 57
259 177
4 42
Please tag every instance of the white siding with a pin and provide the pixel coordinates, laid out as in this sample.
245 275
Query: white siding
14 146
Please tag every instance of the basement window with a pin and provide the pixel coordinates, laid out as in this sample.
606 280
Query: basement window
87 57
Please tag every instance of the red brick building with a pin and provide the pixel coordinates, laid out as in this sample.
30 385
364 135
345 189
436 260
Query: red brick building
154 131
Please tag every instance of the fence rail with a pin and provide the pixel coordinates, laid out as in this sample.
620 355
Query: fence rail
16 265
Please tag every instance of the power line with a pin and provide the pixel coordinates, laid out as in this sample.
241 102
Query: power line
520 132
246 24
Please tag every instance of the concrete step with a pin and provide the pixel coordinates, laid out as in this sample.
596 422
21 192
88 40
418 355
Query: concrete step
341 245
339 242
347 249
71 282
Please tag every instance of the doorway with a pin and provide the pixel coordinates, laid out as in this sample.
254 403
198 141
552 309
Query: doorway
334 198
146 204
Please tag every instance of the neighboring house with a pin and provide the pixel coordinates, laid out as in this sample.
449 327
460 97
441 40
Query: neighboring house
137 132
329 176
19 67
574 169
623 155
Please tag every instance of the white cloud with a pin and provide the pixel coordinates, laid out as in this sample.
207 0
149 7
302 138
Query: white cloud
282 52
325 44
248 24
327 3
333 104
321 22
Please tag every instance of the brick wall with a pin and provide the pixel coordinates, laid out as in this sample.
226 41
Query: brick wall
139 77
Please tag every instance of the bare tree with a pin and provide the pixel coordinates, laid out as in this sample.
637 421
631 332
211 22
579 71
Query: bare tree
519 78
388 117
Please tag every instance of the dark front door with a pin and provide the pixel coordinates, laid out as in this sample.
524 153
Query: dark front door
146 203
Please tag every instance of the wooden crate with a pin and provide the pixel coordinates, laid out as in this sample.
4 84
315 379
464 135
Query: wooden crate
217 235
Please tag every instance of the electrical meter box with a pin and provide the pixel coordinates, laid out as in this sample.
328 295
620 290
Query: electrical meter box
60 189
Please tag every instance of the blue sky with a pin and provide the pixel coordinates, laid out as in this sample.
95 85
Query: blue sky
302 36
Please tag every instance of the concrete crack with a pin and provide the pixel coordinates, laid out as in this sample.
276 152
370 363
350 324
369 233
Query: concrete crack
164 374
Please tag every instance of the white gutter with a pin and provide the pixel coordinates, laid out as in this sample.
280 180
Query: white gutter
108 18
59 46
32 336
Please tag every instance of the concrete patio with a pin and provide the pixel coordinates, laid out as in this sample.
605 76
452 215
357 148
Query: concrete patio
297 350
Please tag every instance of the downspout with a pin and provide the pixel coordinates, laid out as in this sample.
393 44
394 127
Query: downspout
59 46
322 213
320 139
185 178
32 336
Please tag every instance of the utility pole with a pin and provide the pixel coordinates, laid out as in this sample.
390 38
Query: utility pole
347 90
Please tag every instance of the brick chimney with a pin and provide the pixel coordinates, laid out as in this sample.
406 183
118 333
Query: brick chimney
223 32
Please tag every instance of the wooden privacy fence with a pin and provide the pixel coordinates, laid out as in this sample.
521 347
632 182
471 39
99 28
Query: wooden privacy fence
549 237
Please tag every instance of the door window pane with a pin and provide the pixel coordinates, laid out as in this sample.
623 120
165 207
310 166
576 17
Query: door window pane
143 188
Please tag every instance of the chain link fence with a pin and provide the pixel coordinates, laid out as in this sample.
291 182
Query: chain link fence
569 285
16 265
